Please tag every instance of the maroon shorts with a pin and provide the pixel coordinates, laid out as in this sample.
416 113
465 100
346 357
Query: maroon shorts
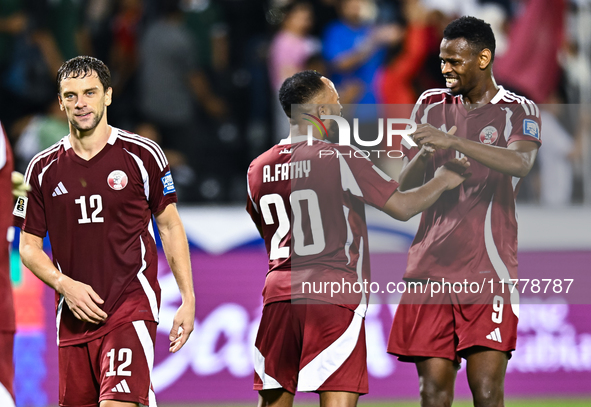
446 324
116 366
6 369
310 345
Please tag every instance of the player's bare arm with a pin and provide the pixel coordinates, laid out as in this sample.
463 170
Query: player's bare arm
176 248
82 300
516 159
403 205
413 172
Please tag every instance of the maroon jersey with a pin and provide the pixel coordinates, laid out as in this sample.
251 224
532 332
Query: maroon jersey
308 201
471 231
7 323
98 214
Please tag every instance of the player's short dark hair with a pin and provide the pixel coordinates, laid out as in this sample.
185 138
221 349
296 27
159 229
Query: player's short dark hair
299 89
83 66
477 32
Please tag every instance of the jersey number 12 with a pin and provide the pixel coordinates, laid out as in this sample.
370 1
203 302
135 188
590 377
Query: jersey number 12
96 203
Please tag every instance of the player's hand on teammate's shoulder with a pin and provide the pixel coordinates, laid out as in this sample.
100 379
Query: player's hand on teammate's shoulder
182 326
82 300
427 135
454 172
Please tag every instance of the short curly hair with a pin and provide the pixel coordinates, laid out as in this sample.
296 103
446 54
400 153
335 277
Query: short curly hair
83 66
477 32
300 89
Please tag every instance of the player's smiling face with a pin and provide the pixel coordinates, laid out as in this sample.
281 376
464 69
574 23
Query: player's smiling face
84 100
459 65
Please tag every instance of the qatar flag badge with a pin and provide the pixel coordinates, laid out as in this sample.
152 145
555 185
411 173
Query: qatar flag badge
117 180
489 135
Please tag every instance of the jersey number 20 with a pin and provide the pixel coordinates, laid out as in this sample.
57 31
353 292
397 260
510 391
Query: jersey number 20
295 198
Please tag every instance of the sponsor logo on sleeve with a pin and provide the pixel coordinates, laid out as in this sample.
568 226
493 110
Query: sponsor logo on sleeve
20 208
530 128
168 184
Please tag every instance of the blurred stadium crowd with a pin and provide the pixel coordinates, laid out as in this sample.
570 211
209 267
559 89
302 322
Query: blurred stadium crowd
201 76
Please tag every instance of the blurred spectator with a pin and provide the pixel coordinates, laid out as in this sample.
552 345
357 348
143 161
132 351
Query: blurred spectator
37 133
397 80
205 21
171 85
290 49
65 20
126 29
556 172
325 12
13 22
355 47
28 75
530 63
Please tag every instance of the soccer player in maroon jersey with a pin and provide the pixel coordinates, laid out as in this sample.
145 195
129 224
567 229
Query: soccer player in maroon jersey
7 322
308 203
469 235
94 192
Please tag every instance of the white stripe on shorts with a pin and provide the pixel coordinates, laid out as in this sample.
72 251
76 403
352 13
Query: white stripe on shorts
315 373
5 397
259 367
146 341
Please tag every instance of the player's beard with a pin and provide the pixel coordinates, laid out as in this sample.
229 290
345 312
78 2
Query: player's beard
97 118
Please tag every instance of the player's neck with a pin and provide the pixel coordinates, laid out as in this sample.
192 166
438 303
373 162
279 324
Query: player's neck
481 94
87 144
302 129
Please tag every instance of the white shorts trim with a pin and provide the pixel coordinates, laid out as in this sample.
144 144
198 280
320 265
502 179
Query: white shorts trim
259 367
5 397
148 346
315 373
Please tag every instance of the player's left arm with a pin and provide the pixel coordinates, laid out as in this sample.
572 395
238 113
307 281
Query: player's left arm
516 159
176 248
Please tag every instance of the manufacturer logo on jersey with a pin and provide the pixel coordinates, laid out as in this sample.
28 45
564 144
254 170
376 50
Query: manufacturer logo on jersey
495 335
121 387
530 128
168 184
117 180
20 208
59 190
489 135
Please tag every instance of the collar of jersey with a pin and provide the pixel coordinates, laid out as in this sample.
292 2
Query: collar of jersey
496 99
111 140
299 139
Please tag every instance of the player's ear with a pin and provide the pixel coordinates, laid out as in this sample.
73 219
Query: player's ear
484 58
321 110
59 99
108 96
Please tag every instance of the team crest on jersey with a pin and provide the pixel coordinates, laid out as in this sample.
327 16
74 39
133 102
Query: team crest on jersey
489 135
20 208
530 128
117 180
168 184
